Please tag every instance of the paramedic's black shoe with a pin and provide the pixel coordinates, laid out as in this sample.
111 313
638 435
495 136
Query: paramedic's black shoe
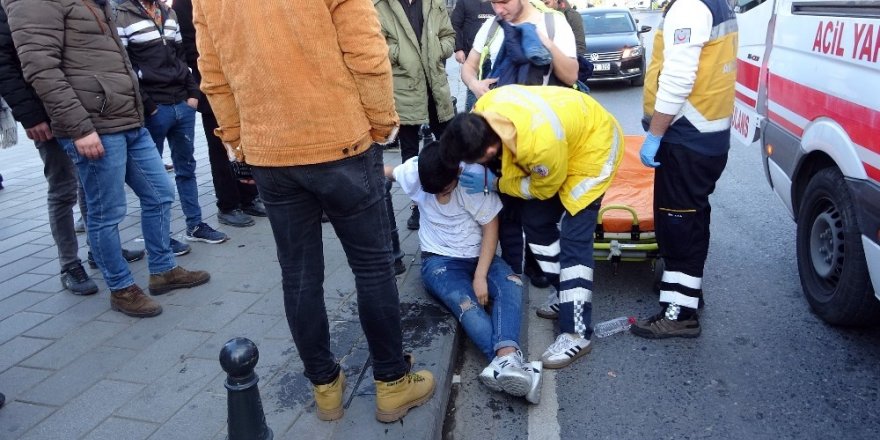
413 223
660 327
537 277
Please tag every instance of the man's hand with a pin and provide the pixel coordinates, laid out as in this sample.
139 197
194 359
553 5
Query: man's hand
40 132
90 146
192 102
482 87
649 150
460 56
481 289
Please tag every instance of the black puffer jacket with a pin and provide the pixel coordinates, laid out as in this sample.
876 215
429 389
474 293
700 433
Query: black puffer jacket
71 55
21 97
156 54
467 17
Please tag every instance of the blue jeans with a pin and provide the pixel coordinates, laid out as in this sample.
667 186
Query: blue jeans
450 280
565 254
176 122
351 192
130 157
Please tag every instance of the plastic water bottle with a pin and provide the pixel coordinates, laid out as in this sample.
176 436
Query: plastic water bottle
616 325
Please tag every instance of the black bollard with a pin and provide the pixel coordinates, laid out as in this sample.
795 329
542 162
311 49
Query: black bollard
245 416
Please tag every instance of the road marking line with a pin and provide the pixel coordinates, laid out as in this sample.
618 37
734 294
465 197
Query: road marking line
543 422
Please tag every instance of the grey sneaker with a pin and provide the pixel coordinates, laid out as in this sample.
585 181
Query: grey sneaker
550 308
179 248
77 281
660 327
206 234
235 217
80 226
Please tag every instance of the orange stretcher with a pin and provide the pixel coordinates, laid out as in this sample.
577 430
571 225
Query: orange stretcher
625 227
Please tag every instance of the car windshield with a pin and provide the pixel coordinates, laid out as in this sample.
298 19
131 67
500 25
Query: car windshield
607 23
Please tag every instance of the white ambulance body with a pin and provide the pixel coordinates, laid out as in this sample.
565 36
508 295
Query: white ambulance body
808 87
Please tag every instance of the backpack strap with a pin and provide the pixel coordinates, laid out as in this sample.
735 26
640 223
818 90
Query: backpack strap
484 53
550 23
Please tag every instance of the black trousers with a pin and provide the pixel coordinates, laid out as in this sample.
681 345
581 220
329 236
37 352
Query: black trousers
682 185
231 193
409 134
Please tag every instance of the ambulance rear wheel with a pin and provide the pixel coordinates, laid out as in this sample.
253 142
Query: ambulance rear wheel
830 257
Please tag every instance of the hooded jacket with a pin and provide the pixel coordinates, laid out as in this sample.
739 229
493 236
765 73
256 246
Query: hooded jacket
418 65
556 140
72 56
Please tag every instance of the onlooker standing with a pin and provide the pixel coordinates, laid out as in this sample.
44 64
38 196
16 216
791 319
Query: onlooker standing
58 169
467 17
237 201
689 92
72 56
149 31
574 20
420 38
307 125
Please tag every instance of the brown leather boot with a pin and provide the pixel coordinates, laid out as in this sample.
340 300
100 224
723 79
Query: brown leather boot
132 301
177 278
394 399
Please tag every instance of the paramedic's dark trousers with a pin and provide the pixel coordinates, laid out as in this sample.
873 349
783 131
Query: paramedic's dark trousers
682 185
565 254
510 235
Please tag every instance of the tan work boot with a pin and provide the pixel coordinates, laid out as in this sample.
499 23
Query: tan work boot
132 301
328 398
177 278
394 399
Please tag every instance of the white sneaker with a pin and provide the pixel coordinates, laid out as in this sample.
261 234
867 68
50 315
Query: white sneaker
550 308
514 378
534 369
565 350
489 375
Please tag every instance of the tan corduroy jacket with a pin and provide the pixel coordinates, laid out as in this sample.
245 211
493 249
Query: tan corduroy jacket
295 83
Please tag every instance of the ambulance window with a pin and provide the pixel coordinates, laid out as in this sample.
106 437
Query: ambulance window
741 6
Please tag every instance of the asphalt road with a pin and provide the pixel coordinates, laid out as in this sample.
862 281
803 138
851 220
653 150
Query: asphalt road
764 366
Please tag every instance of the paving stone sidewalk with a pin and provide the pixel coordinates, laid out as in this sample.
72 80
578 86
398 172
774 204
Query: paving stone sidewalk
73 369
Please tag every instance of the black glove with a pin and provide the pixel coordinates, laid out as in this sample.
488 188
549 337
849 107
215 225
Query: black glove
241 170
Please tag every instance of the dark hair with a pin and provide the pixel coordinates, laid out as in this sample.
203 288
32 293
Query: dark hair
434 172
467 137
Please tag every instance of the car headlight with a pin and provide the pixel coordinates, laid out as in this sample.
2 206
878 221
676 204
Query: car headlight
632 52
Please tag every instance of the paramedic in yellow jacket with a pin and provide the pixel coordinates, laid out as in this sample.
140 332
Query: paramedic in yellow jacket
689 89
559 150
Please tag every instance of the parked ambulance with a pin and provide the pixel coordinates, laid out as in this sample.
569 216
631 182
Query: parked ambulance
808 87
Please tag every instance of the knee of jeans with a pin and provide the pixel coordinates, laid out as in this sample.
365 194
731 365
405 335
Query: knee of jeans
466 304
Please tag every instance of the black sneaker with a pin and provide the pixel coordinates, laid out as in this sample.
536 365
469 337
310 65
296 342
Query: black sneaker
77 281
179 248
413 223
399 267
129 255
235 217
660 327
256 208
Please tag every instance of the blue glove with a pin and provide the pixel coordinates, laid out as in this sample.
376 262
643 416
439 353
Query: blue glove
474 183
649 150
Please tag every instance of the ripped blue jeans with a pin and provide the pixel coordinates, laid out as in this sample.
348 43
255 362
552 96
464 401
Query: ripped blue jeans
450 280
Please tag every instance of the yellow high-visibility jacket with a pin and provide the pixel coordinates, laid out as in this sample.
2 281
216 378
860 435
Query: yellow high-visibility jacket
556 140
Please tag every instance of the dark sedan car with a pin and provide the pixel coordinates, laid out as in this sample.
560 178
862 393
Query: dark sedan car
614 45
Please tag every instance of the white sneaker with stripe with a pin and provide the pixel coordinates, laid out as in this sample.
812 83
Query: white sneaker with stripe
550 308
565 350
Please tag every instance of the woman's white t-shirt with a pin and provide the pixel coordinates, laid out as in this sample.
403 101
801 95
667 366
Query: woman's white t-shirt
452 229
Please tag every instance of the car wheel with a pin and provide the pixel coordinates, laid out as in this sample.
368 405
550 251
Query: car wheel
830 257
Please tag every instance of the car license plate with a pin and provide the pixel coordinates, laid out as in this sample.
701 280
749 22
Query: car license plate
599 67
